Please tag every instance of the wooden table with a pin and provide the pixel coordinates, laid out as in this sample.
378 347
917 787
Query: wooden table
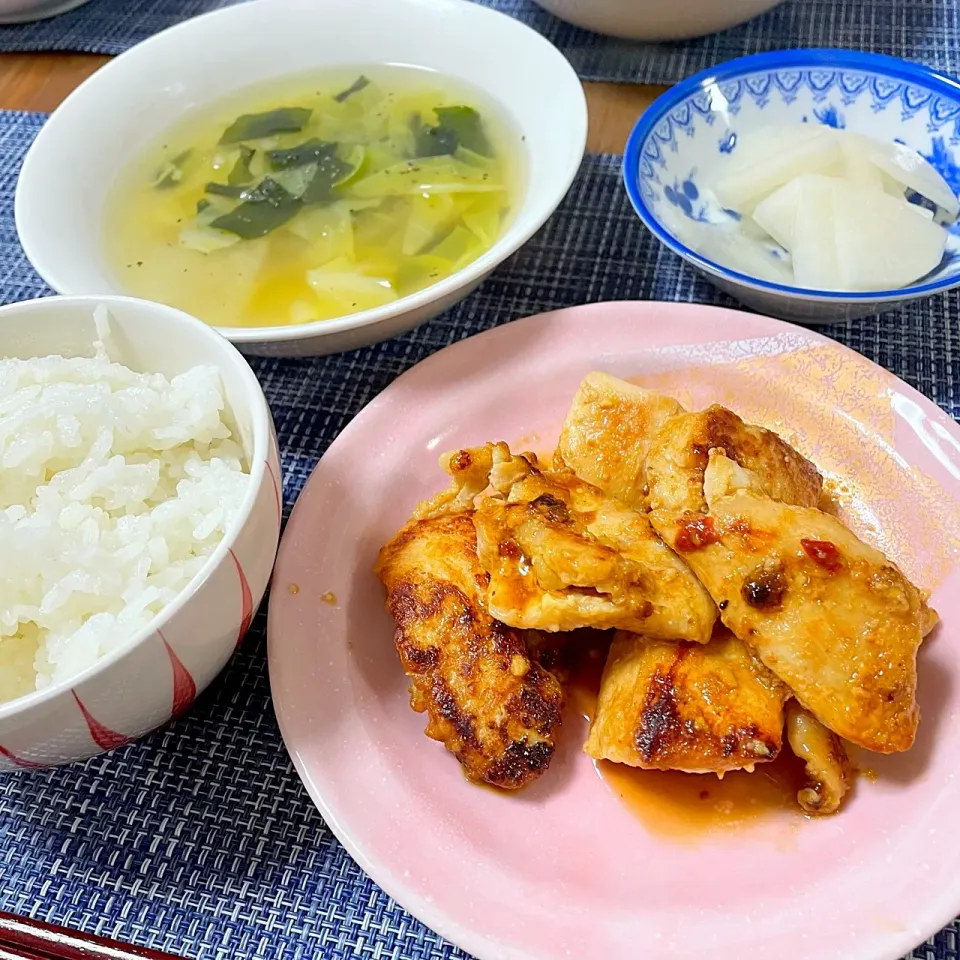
39 81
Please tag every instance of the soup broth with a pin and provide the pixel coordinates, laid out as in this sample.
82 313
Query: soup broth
314 198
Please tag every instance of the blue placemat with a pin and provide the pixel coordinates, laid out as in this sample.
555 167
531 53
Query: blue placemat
923 30
201 840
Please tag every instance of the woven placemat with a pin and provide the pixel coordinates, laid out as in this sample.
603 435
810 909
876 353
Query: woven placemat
201 840
924 30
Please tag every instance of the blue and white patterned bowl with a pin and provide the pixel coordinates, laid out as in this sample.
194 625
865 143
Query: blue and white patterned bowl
682 142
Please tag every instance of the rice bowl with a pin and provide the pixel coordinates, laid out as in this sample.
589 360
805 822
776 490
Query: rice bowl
144 549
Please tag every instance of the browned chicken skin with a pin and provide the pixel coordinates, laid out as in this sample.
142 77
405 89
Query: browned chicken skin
607 434
494 709
562 555
682 706
830 616
680 451
827 766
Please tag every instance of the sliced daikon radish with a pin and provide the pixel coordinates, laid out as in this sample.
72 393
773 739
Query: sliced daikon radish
907 167
924 212
894 187
814 249
766 159
757 146
753 230
880 242
725 244
776 214
857 167
749 257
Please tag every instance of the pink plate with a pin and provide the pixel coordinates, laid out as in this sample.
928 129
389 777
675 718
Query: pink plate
563 869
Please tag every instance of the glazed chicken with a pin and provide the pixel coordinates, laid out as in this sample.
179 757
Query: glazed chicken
495 709
562 556
679 455
606 436
833 618
682 706
653 522
827 766
473 471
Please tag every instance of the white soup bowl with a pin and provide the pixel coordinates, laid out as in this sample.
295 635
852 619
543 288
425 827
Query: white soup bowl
68 172
654 19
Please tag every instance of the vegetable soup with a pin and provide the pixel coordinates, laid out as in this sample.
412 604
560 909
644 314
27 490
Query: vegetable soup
315 198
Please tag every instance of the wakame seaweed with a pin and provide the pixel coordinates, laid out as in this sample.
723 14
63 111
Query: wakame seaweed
467 124
354 87
311 151
241 172
233 191
330 171
264 208
431 141
256 126
269 205
458 127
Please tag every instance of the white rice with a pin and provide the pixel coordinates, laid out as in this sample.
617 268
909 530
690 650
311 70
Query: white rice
115 487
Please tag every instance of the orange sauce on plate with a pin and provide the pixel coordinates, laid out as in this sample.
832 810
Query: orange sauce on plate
688 804
670 803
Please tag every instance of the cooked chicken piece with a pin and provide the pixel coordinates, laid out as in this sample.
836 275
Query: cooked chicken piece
561 555
493 708
679 452
607 434
828 769
931 618
833 618
471 471
685 706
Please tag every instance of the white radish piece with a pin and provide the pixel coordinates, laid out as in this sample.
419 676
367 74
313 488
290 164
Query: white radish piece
723 243
758 146
753 230
907 167
747 256
814 249
893 187
826 209
880 242
777 213
856 166
765 160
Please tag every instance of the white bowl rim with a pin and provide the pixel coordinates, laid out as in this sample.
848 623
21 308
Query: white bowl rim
827 59
508 244
38 11
260 422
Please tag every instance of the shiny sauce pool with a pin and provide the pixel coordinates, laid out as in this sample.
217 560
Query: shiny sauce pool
681 805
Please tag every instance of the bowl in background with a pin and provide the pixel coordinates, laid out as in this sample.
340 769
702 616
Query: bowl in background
682 142
101 127
157 673
654 19
23 11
